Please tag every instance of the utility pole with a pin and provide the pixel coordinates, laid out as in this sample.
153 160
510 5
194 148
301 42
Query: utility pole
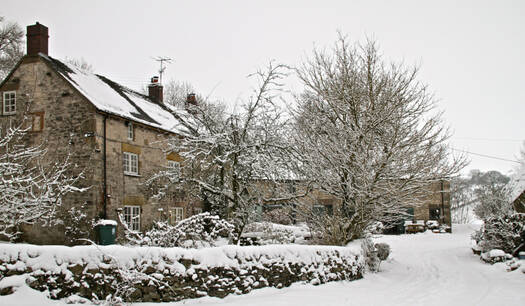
161 60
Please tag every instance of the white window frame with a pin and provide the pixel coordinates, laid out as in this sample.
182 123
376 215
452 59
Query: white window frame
132 217
130 131
174 170
9 96
176 214
130 163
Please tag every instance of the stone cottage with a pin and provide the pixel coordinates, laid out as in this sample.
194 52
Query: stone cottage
114 136
434 204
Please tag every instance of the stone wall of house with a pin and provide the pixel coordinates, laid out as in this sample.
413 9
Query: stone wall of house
130 190
436 198
59 119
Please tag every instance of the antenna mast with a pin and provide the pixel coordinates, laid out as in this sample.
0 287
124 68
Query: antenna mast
161 60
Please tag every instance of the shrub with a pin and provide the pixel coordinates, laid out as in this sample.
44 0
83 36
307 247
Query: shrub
375 228
383 250
262 233
374 254
505 232
202 230
279 216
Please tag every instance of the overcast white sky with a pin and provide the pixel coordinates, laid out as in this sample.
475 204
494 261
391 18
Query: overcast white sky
471 53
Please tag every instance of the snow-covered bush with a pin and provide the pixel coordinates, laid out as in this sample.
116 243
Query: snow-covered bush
375 228
374 254
202 230
369 253
263 233
383 250
279 216
506 233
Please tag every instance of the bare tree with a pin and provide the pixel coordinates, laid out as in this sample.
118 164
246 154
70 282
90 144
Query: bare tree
31 189
176 92
493 200
462 200
479 194
11 46
80 63
370 134
231 159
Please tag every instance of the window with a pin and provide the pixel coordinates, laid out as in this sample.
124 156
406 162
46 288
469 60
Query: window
132 217
320 209
9 102
434 213
197 210
174 170
131 163
37 122
130 131
176 214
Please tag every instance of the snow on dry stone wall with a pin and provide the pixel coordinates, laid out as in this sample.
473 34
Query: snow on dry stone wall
172 274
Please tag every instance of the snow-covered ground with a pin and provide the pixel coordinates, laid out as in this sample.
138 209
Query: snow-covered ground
424 269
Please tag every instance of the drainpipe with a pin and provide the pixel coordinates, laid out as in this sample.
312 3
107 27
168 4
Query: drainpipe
443 201
105 187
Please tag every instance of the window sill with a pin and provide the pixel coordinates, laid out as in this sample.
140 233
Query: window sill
132 174
8 114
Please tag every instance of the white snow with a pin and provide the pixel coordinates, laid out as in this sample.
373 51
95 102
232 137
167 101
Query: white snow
496 253
58 258
106 222
424 269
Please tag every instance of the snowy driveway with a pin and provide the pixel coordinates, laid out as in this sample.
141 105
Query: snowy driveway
424 269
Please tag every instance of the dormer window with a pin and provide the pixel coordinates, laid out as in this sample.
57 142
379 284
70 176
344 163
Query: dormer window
9 105
130 131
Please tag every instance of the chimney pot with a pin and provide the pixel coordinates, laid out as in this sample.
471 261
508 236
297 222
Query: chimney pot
37 39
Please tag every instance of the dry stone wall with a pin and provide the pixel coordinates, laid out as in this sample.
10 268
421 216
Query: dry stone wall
157 274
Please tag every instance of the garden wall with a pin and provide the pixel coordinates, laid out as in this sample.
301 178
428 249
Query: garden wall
172 274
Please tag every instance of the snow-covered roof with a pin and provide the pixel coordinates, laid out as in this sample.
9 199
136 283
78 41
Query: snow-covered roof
112 98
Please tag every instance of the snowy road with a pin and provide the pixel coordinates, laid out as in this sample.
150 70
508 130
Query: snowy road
424 269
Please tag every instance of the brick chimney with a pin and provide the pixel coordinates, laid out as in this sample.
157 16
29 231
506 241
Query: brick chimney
191 99
155 90
37 39
191 102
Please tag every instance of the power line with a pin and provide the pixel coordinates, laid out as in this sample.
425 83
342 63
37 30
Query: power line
489 139
487 156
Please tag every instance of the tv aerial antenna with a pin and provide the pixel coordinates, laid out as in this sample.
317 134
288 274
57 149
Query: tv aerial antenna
162 60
